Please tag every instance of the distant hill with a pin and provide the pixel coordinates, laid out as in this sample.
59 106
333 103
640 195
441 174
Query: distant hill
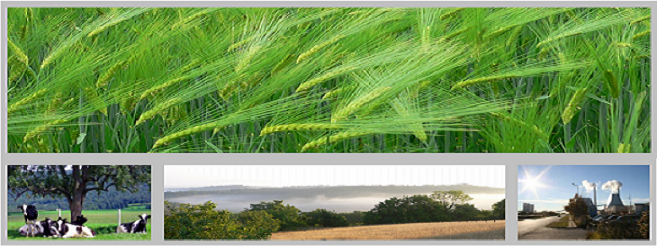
223 187
329 191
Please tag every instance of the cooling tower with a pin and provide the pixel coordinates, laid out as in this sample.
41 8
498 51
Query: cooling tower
614 200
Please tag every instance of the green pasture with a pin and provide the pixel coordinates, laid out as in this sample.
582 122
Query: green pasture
103 222
104 232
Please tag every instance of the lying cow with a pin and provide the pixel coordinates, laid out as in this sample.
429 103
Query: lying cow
139 226
46 228
68 230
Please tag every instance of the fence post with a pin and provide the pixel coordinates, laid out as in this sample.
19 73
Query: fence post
59 212
119 216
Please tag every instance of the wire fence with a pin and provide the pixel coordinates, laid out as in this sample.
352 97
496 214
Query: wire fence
110 216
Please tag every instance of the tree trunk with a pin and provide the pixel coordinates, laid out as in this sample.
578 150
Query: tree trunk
76 204
78 193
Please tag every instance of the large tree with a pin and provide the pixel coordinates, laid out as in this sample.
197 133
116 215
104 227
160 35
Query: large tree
499 210
73 182
451 198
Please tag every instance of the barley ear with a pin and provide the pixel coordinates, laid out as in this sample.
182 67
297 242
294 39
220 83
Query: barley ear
156 110
334 138
573 105
169 138
318 47
356 104
13 107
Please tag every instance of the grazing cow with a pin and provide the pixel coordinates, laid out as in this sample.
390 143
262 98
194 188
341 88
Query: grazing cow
80 220
139 226
30 213
68 230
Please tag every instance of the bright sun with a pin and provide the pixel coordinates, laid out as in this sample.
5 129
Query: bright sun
532 183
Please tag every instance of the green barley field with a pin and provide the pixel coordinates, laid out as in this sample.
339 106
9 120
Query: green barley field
329 80
103 222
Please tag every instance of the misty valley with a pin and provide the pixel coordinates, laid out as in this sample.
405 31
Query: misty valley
336 212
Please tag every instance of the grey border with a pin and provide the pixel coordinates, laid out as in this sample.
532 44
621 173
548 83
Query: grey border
158 160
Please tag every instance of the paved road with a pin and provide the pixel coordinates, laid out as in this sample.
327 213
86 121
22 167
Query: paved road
536 230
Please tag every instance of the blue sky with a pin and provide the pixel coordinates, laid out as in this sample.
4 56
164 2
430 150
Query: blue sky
550 187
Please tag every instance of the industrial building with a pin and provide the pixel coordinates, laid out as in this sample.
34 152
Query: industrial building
593 211
528 207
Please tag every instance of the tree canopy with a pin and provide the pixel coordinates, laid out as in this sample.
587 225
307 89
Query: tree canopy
75 181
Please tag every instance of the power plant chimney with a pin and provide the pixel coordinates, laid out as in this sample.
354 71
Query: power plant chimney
595 198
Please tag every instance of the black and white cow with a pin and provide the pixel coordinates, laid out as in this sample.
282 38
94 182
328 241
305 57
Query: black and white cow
46 228
68 230
30 213
139 226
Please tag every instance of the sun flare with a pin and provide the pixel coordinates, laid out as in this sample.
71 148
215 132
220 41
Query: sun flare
532 183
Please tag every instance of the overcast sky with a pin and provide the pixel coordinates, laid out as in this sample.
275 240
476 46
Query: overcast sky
186 176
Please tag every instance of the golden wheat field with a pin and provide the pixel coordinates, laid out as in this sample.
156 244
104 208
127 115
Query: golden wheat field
472 230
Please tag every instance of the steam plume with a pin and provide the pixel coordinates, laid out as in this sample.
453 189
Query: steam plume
613 186
589 186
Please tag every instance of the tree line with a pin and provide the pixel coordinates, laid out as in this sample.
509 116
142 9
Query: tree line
186 221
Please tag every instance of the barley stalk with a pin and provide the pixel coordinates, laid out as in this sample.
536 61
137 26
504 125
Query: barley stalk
154 90
532 128
315 81
156 110
318 47
573 105
96 101
417 128
298 127
334 138
612 83
13 107
358 103
425 37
